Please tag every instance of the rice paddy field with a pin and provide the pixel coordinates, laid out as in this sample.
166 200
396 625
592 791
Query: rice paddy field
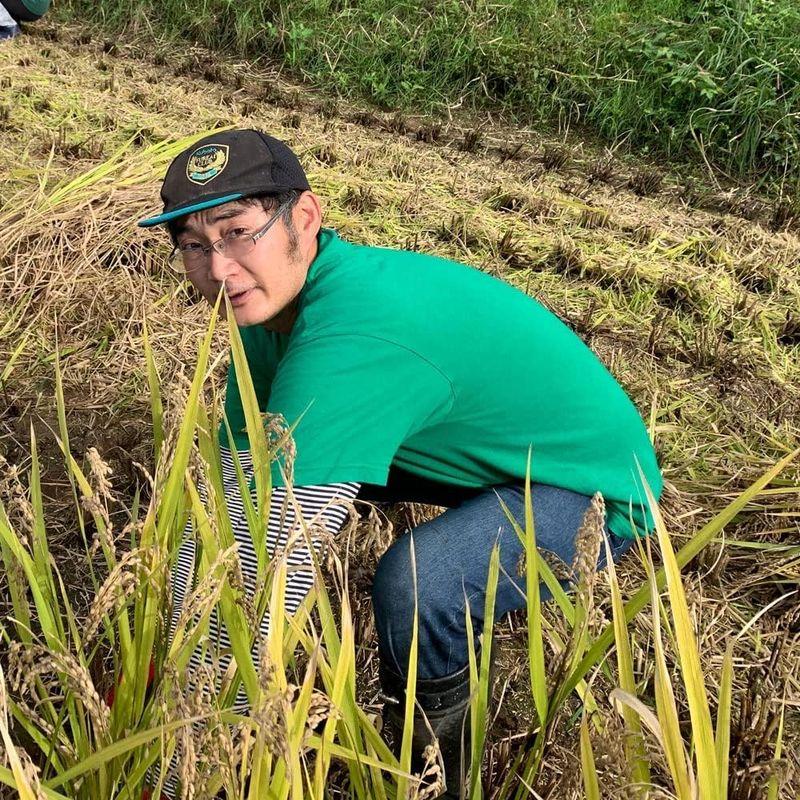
678 675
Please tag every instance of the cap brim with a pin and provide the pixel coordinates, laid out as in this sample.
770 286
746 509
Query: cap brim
182 211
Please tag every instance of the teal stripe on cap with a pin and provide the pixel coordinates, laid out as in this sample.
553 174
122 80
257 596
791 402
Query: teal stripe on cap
184 210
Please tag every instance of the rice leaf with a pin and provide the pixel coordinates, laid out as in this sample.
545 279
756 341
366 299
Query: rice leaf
634 744
643 596
480 701
723 730
708 774
19 779
156 405
231 612
591 784
773 786
538 676
667 711
41 552
256 438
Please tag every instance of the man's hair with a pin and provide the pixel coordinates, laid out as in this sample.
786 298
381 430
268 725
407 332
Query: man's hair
269 202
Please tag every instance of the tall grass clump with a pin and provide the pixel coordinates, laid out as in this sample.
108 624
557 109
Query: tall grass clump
182 726
81 742
718 78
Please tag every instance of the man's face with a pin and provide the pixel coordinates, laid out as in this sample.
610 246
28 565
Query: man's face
260 284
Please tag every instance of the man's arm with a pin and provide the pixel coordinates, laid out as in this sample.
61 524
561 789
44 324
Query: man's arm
321 504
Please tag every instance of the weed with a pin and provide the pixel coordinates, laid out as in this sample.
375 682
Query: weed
472 140
566 257
592 218
429 132
540 61
554 157
601 170
360 199
645 182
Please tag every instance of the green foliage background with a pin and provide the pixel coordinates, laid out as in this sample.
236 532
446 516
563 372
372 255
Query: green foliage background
681 76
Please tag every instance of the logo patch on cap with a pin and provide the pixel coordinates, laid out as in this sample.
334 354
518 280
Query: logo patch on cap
206 163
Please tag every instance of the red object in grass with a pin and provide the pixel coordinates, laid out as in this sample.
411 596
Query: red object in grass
148 795
111 693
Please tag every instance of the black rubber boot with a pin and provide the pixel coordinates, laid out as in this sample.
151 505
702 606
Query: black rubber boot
445 703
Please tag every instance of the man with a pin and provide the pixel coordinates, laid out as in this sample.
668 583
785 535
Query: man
12 12
413 378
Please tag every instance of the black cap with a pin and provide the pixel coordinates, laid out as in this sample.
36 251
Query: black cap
227 166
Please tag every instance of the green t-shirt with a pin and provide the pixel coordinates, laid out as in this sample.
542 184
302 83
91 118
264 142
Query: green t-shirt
404 359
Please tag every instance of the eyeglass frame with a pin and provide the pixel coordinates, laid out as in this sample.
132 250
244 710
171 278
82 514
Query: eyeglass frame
206 249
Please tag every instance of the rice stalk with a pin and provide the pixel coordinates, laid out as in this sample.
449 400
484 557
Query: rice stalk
480 689
538 677
773 786
26 784
591 785
709 777
679 765
722 733
411 683
634 743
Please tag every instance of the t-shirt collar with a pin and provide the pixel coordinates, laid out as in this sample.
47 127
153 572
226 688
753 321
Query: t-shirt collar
328 243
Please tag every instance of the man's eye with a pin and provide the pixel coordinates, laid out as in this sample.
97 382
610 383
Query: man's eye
237 233
191 247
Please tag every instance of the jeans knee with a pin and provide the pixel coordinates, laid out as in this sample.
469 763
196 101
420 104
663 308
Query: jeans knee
393 585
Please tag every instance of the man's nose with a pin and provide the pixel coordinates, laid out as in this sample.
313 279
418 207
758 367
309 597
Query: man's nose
221 266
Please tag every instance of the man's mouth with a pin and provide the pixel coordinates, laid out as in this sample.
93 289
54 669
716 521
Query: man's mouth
239 297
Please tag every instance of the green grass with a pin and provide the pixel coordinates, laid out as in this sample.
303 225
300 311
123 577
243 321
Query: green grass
718 79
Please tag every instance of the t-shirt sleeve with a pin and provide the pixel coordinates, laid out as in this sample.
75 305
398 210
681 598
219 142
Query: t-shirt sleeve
355 400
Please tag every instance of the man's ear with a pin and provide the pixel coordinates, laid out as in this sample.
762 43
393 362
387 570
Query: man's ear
307 217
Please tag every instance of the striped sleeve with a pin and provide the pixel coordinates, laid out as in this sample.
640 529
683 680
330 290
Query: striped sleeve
318 507
315 504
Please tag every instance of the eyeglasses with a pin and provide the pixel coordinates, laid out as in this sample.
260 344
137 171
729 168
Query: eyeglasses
192 255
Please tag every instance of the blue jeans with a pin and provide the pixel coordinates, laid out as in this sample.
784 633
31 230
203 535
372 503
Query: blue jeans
452 560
